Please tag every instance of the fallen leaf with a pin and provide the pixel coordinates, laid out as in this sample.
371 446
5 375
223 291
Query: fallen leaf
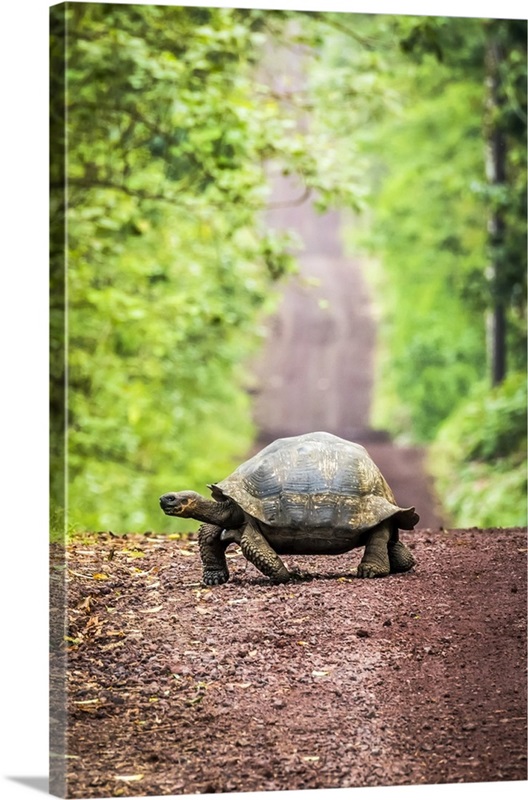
73 639
86 603
62 755
79 574
111 646
310 758
151 610
320 673
100 576
193 700
86 702
136 553
128 777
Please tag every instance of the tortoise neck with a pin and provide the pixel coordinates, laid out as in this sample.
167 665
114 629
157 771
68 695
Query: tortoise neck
225 513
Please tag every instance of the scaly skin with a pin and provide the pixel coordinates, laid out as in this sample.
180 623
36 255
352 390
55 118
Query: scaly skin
375 562
212 552
400 557
381 557
257 550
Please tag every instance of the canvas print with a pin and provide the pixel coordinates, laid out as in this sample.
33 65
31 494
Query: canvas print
287 400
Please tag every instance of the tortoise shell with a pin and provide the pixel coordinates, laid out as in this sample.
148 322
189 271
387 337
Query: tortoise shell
316 480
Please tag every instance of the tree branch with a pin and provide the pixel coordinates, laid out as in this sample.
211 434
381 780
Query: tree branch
83 183
338 26
291 203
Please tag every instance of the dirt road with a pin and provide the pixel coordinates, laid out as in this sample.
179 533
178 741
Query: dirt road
175 688
418 678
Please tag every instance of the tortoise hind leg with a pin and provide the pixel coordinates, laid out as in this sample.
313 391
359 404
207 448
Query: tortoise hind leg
212 552
257 550
375 562
400 557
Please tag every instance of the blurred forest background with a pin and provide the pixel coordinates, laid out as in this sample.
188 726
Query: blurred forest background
415 124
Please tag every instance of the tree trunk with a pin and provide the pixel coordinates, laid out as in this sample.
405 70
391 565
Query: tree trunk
496 174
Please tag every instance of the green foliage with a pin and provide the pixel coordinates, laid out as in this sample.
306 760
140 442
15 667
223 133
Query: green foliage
413 94
171 124
429 230
169 263
486 496
479 456
491 424
165 268
60 527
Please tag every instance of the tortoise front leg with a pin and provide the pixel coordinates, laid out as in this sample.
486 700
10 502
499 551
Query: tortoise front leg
257 550
375 562
212 553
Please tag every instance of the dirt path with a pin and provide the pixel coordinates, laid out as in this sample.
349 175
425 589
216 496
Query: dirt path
175 688
317 369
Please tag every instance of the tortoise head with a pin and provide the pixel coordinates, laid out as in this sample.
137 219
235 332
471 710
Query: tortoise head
180 504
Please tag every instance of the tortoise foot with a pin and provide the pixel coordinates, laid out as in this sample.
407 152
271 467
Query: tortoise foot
214 577
294 574
400 557
371 570
375 562
282 576
297 574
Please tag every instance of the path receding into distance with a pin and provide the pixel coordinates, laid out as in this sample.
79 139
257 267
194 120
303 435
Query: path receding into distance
316 371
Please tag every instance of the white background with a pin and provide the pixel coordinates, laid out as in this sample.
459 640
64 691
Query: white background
23 392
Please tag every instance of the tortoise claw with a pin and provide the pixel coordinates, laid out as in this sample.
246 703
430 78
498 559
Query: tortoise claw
215 577
366 570
297 574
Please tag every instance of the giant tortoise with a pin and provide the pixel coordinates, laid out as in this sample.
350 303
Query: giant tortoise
309 494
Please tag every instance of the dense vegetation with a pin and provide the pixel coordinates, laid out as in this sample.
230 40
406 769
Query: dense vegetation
169 265
479 456
170 128
446 239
